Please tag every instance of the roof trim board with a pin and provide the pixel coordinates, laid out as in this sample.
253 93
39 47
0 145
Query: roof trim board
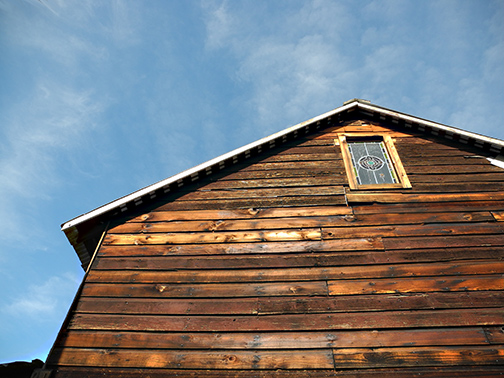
446 129
84 223
201 167
364 105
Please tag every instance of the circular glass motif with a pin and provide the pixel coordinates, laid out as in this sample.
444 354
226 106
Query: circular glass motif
371 163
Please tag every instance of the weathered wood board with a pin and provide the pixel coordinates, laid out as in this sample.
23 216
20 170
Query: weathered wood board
275 268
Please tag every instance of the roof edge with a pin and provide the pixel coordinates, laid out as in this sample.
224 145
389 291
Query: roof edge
412 119
201 167
363 105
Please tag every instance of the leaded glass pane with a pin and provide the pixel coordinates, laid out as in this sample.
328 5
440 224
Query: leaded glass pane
371 163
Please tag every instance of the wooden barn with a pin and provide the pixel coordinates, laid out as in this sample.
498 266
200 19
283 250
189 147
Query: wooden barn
361 243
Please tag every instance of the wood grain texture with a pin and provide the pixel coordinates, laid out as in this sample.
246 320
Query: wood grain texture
212 249
273 267
191 359
282 305
300 274
347 220
278 340
419 356
383 197
290 322
403 372
160 257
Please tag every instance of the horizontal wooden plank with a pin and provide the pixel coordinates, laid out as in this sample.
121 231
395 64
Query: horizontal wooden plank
347 220
427 141
155 257
386 197
251 213
428 151
416 285
191 359
413 150
311 141
277 166
457 177
162 290
291 322
393 231
247 203
251 183
444 241
299 274
229 225
277 340
403 372
428 207
214 237
360 244
329 154
434 142
453 160
247 193
337 172
462 169
286 305
457 187
419 356
304 149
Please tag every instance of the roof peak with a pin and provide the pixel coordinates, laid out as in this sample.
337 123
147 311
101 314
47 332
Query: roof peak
359 100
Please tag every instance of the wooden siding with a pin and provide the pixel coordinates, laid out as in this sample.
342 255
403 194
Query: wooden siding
276 268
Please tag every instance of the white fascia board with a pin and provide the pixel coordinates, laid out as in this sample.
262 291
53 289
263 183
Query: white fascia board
199 168
435 125
139 193
497 161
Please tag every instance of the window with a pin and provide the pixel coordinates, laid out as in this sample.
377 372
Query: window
372 162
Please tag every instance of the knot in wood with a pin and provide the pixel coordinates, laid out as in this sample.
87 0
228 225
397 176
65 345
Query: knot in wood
349 218
215 225
229 358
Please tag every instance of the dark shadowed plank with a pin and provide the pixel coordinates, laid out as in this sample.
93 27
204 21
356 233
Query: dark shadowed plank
423 372
277 340
158 257
291 322
298 274
287 305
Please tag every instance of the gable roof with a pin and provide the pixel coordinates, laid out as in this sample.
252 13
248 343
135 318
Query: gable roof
84 231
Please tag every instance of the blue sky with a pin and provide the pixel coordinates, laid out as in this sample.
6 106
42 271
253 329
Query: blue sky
100 98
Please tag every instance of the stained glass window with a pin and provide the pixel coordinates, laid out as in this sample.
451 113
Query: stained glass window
371 163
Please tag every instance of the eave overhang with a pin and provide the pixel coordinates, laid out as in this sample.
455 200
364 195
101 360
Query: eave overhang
94 222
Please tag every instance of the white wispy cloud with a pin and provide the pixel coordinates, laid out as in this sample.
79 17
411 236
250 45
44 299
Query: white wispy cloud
37 133
220 25
293 62
313 55
43 301
54 114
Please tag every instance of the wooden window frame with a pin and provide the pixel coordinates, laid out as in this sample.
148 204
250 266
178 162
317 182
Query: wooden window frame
397 166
